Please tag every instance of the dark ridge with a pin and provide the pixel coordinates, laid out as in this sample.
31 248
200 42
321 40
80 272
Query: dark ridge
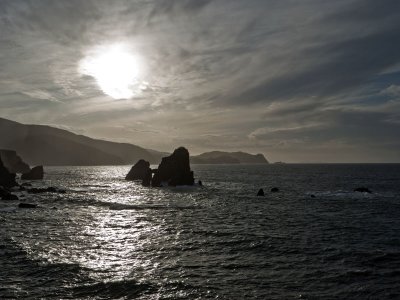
220 157
45 145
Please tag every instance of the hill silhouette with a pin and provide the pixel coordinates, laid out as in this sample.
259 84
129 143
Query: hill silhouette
220 157
45 145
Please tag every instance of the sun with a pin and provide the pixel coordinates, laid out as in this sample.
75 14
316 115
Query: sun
115 69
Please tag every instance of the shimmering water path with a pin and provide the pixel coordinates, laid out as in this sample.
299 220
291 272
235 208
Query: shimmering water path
111 239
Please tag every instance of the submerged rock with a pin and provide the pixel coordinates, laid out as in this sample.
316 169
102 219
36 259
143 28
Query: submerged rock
274 190
363 190
139 171
49 189
27 205
36 173
260 192
174 169
7 179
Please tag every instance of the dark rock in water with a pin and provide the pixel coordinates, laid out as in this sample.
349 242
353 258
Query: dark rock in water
139 171
27 205
36 173
7 179
13 162
174 169
200 183
274 190
49 189
363 190
147 178
260 192
6 195
312 196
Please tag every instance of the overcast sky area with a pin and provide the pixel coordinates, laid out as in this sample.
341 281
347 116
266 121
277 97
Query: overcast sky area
299 81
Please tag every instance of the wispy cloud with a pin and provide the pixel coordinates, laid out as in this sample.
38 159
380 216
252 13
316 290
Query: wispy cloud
287 78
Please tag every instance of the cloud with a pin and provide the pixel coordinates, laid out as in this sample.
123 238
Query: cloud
285 78
332 66
40 94
392 90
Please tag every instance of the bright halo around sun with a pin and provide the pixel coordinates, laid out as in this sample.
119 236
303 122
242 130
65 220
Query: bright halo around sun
115 69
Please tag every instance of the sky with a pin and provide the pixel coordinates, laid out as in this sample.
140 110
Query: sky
298 81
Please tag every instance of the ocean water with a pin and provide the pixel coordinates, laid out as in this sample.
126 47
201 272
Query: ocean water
111 239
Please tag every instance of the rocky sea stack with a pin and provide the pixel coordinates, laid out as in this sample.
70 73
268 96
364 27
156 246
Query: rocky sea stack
13 162
36 173
139 170
7 179
173 170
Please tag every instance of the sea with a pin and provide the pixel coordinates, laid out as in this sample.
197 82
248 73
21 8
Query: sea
107 238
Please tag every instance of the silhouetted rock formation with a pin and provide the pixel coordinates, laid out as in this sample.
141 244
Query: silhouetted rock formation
260 192
139 171
363 190
174 169
147 178
36 173
274 190
13 162
7 179
27 205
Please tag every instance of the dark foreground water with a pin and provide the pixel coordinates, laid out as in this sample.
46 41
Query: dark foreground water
111 239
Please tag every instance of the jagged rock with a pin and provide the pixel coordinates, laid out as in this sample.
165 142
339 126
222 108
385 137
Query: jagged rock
147 178
13 162
274 190
27 205
36 173
260 192
363 190
139 171
7 179
174 169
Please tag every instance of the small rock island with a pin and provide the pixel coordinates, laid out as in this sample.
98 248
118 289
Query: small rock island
13 162
174 170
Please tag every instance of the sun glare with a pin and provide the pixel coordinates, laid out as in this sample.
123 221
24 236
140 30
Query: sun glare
115 69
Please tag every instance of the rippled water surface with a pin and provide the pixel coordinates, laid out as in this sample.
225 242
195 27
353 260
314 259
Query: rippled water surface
107 238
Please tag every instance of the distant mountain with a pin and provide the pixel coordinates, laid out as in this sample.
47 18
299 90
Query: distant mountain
45 145
220 157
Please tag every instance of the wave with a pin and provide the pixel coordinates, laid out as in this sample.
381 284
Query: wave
119 206
113 289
